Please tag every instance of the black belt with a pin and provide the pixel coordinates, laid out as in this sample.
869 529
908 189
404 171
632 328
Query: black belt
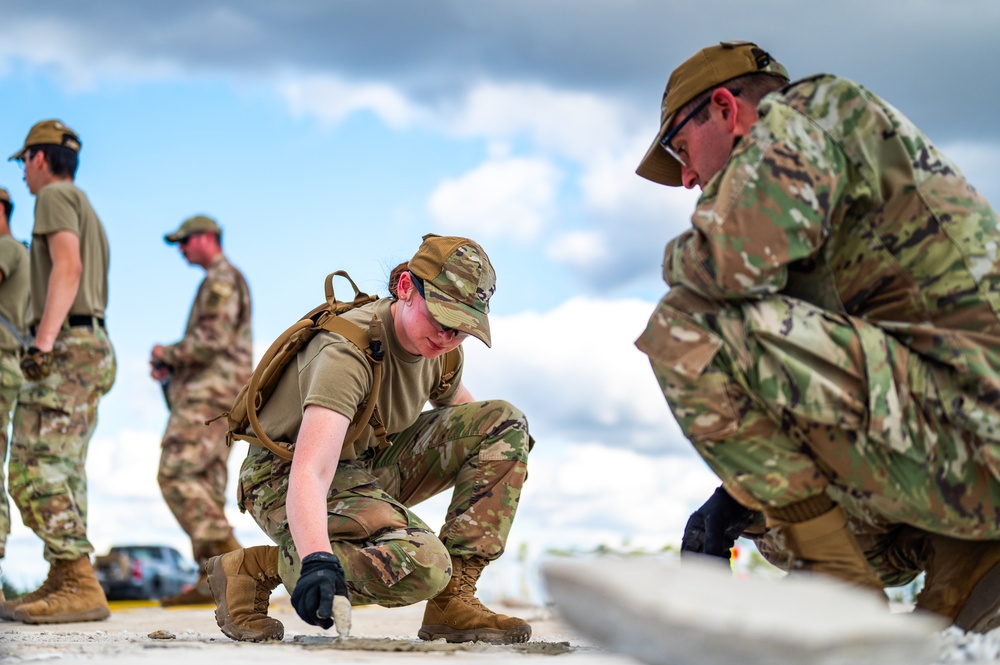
77 321
83 321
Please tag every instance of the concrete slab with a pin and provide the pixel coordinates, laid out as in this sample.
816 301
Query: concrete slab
671 613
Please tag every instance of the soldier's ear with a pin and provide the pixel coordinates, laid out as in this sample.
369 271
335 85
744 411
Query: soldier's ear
405 288
728 107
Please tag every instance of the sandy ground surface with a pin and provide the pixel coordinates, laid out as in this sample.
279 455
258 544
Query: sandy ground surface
143 633
378 635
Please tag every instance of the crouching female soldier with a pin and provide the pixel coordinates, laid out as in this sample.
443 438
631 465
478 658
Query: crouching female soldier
340 513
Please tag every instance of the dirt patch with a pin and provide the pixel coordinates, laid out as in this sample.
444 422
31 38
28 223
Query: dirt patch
437 646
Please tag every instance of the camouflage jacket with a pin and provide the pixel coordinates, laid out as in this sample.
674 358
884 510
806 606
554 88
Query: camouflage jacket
213 360
836 198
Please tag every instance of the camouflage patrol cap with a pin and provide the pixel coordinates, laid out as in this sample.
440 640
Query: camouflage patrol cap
706 69
458 283
196 224
49 132
4 195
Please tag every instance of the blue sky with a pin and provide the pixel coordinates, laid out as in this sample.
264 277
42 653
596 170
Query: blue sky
329 136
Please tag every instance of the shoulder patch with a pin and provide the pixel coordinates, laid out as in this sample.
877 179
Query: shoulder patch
222 290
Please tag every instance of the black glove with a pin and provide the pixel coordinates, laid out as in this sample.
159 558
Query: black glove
322 578
36 364
714 528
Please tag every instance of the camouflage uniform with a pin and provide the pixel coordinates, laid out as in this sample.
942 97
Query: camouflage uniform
10 383
832 325
390 556
55 417
53 423
208 368
13 306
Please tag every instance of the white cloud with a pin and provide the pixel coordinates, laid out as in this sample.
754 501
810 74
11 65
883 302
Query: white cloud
620 494
77 60
579 249
577 375
331 99
507 196
568 122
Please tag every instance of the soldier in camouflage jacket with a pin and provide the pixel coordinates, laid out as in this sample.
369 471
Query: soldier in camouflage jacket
830 343
203 374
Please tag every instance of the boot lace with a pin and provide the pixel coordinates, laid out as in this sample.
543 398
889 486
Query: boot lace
471 570
262 597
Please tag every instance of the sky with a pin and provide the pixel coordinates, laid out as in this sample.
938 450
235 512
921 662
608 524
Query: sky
333 135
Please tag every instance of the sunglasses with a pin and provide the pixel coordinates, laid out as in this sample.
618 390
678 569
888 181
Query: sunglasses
669 136
186 239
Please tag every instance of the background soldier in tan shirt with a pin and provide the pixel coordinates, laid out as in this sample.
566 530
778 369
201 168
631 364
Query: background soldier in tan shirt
69 368
14 291
203 373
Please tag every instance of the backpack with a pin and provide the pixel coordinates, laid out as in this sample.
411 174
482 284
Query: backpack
327 316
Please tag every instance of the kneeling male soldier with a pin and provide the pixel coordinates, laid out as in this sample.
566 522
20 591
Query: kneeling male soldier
831 341
205 371
338 505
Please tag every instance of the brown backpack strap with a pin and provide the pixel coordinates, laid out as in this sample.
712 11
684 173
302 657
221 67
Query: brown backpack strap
278 449
449 366
371 344
253 401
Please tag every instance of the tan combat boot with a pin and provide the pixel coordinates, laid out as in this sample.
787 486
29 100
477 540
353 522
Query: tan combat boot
200 594
241 582
823 544
51 581
77 597
456 615
962 577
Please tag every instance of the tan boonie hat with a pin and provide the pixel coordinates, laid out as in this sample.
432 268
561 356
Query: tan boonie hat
4 195
458 283
195 224
706 69
49 132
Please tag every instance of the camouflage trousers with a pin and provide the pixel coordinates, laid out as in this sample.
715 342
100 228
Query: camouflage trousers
53 423
10 384
390 556
784 400
193 472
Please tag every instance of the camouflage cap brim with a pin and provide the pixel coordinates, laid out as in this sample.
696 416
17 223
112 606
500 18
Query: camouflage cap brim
451 314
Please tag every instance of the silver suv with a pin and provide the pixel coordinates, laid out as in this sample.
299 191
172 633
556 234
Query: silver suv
140 572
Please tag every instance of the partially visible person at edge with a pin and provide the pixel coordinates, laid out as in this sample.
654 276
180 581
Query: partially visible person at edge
830 343
340 514
69 367
14 288
202 374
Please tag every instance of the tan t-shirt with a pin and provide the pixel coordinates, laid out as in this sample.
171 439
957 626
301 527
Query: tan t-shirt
14 289
333 373
62 206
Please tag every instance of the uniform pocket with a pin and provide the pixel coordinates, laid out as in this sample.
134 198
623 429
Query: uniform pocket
360 515
701 396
